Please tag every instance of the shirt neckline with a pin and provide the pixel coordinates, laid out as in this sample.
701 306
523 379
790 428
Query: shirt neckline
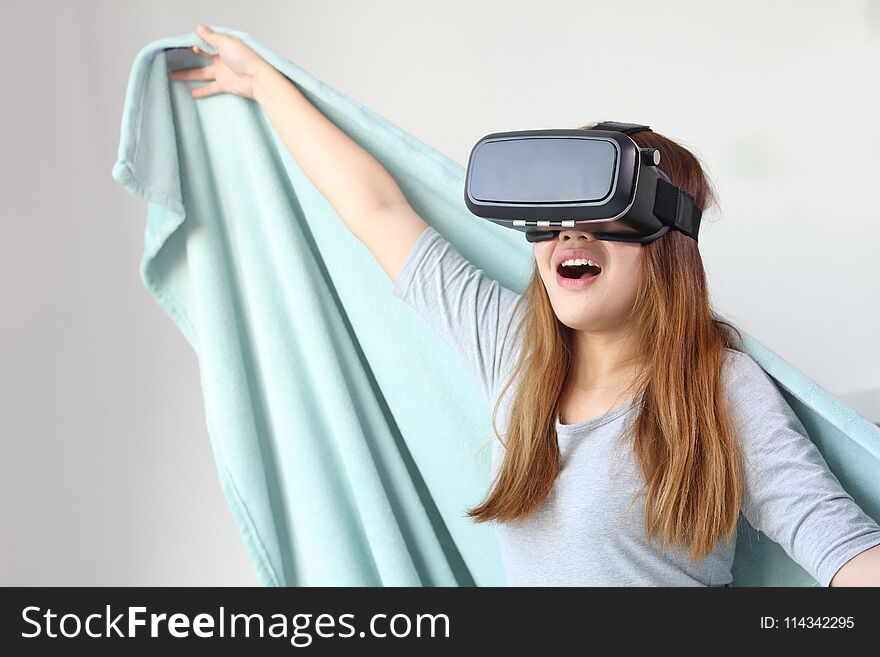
599 420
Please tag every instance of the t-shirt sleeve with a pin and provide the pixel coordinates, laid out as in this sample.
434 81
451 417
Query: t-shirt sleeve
469 310
789 492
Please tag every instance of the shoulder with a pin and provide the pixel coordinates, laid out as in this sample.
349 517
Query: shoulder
738 369
747 385
755 399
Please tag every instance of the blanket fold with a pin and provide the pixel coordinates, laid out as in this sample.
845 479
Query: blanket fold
348 439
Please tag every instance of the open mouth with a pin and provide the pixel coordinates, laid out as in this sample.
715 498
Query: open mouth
575 272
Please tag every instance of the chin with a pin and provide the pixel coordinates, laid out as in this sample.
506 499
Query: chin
577 322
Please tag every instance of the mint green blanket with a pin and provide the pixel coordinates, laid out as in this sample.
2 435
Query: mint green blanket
346 434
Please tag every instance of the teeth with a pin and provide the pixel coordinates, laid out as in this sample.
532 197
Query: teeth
574 262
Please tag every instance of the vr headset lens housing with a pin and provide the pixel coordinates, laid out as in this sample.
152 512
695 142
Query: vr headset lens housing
597 180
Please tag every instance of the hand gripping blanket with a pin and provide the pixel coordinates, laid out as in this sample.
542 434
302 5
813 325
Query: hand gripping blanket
348 438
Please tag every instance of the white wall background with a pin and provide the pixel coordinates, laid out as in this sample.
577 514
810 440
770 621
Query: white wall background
106 470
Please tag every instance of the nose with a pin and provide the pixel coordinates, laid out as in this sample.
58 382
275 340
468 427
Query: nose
575 233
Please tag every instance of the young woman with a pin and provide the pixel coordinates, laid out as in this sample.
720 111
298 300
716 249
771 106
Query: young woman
632 429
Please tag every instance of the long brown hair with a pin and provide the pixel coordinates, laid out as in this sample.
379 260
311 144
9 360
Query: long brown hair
682 436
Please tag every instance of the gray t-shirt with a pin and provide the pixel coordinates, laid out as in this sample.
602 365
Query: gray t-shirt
589 531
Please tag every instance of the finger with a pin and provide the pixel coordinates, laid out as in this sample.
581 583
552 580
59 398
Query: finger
206 90
209 35
203 53
197 73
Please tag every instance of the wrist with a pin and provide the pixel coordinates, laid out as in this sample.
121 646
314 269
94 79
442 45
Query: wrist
260 79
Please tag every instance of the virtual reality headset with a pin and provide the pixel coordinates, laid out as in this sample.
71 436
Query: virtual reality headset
599 180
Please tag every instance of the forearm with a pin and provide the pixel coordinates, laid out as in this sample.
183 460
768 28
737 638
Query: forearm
351 179
861 570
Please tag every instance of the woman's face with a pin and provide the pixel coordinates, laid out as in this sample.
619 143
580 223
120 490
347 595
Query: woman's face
605 301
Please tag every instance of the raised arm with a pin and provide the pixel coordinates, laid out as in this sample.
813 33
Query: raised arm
358 187
468 309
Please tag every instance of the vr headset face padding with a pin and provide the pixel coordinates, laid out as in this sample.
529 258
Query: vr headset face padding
598 180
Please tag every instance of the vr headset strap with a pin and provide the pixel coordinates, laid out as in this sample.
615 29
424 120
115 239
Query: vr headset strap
617 126
675 208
